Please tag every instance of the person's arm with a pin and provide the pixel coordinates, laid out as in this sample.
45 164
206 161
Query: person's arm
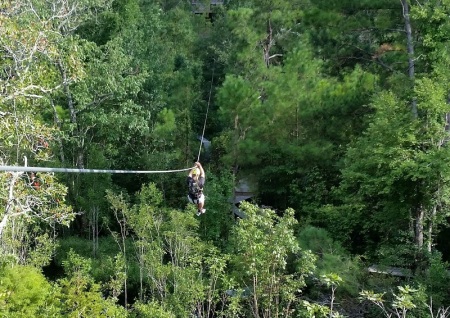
190 172
202 172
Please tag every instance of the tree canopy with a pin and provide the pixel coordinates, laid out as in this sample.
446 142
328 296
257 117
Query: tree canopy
334 113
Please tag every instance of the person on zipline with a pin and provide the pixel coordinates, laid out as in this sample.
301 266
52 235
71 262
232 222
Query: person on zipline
196 181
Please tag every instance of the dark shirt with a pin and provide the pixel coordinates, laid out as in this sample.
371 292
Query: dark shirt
201 181
190 182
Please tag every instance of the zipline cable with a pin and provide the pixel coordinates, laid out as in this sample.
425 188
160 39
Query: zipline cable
207 110
70 170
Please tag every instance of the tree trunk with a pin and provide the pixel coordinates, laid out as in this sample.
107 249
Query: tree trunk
3 223
79 154
9 204
125 285
141 271
255 296
430 228
94 227
57 121
410 48
418 226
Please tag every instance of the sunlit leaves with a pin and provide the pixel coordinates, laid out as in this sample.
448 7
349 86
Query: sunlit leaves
261 244
25 292
29 201
405 300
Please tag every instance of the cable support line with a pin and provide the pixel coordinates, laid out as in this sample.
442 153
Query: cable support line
70 170
207 110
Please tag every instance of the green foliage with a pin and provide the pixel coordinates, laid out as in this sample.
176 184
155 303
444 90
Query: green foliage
24 292
94 196
312 99
407 301
397 252
262 267
392 176
151 310
103 265
30 204
348 33
81 295
430 19
308 309
177 268
216 224
83 247
435 279
76 265
277 129
331 258
166 124
313 310
42 252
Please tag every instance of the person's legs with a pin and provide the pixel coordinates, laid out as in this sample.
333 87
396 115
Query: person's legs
201 203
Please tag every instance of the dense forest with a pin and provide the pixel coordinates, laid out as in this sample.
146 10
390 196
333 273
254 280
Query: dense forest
335 113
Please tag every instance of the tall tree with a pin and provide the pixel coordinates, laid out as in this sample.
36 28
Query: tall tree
398 169
283 117
31 203
260 269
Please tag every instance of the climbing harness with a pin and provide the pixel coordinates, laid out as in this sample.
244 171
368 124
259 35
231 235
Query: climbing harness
195 190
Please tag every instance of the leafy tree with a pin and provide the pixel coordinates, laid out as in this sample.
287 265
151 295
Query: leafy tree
24 292
405 165
282 118
346 34
120 211
151 309
27 49
216 224
251 100
148 78
81 295
331 258
31 204
408 299
261 268
176 268
434 280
